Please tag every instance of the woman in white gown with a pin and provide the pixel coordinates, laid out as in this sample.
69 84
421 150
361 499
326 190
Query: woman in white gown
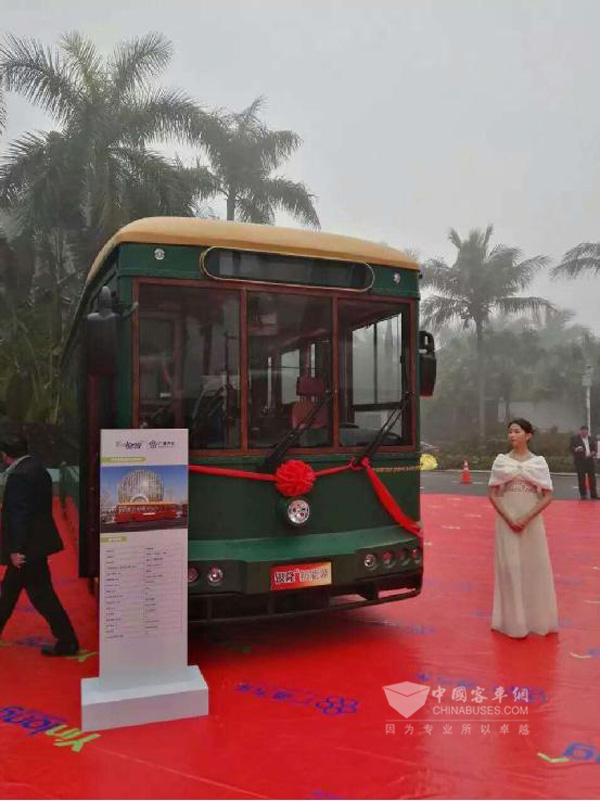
520 488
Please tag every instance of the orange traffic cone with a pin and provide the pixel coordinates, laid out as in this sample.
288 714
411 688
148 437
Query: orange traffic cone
466 478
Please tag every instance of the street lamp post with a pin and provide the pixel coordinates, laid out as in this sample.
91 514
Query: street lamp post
587 384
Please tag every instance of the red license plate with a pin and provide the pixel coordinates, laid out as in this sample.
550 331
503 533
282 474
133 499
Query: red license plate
296 577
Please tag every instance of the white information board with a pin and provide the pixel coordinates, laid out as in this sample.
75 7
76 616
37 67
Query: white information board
143 581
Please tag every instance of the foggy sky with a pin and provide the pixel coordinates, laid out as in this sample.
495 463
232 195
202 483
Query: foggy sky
416 115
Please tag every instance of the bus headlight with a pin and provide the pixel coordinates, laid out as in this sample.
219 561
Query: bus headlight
214 576
388 558
192 575
298 511
370 561
417 555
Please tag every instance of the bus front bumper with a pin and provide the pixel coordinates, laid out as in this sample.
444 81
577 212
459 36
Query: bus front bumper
243 588
232 607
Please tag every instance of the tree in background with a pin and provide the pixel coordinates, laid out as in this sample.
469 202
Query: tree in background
243 154
579 261
512 354
567 348
26 372
65 192
482 280
2 109
448 413
109 112
527 360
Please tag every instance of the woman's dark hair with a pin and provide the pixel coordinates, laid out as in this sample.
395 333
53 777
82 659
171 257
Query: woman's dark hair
523 423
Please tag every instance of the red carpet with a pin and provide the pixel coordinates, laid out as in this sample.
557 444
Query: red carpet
298 710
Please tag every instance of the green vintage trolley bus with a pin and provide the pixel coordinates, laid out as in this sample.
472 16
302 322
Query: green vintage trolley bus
295 361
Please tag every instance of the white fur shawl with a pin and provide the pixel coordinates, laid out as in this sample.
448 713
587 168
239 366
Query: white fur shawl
534 471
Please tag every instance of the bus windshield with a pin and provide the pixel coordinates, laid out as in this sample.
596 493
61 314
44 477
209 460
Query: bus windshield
289 367
191 344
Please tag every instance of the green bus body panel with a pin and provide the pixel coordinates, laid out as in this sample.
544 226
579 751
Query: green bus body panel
231 508
180 261
184 262
298 545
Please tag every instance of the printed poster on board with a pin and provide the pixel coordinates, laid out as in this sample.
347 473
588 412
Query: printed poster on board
143 553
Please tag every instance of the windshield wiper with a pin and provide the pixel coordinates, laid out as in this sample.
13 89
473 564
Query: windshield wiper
273 460
380 436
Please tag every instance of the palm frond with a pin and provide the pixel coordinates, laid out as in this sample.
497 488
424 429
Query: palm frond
438 311
152 184
249 116
293 197
136 62
581 260
2 108
209 130
437 274
533 265
487 235
41 75
37 183
518 305
250 209
25 156
455 238
206 184
161 114
276 146
83 58
509 274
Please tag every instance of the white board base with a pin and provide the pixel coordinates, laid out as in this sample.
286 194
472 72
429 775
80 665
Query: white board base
110 708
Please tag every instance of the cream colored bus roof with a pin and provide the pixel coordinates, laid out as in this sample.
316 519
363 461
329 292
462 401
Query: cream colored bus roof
248 236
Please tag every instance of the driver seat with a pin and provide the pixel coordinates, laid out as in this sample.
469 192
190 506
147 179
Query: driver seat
309 390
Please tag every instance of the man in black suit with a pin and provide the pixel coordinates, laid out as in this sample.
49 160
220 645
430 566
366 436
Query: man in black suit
28 536
584 449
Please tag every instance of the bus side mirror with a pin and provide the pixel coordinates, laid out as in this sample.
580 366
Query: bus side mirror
427 363
101 337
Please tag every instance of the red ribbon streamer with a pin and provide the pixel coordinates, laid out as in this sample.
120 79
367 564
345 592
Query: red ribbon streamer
225 471
382 492
388 502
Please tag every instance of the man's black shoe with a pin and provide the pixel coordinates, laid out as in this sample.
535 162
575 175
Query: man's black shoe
61 649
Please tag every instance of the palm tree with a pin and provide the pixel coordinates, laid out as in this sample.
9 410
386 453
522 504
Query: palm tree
23 342
581 260
2 109
66 191
512 355
567 348
447 414
482 281
243 154
108 112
